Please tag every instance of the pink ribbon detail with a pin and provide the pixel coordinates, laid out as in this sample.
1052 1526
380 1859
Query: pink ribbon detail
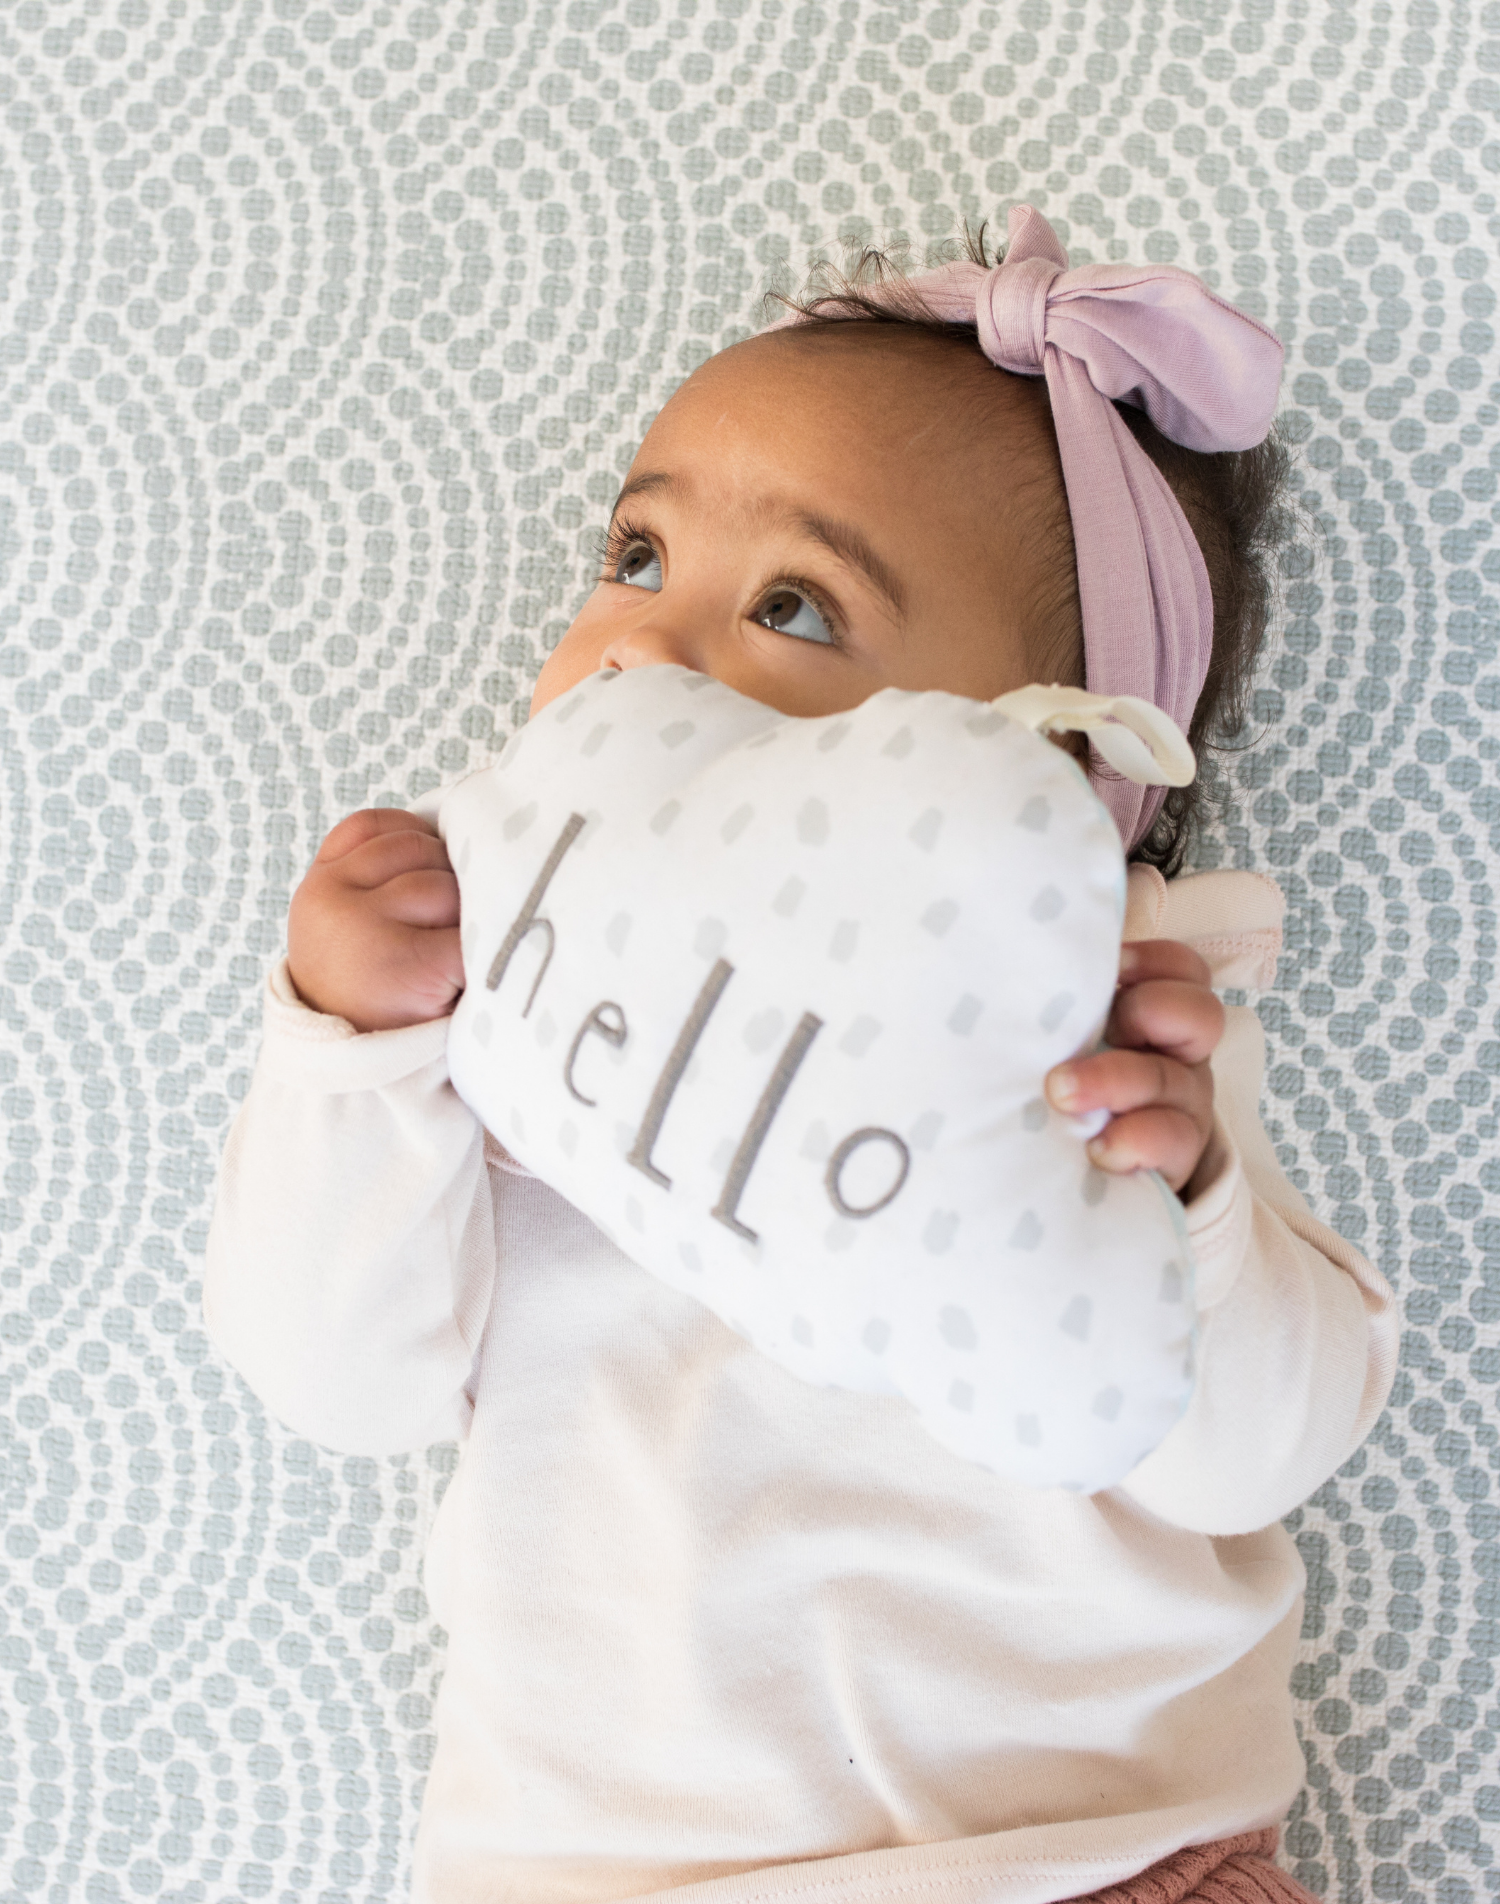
1206 374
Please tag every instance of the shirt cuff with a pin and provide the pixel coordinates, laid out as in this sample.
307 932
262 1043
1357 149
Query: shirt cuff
1219 1218
321 1052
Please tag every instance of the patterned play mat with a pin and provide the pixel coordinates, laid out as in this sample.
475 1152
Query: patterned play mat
325 332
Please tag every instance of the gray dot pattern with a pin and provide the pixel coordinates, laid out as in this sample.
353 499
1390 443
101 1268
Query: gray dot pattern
324 336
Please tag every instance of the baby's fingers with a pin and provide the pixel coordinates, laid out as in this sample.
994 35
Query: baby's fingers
1160 1139
386 856
1162 958
1176 1016
437 964
370 823
422 974
420 899
1124 1081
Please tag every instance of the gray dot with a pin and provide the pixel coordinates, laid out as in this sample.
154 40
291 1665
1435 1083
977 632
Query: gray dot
924 831
1107 1404
924 1133
1028 1431
857 1040
1036 815
517 823
1095 1186
596 740
764 1028
1034 1114
1172 1285
812 823
832 736
481 1028
676 732
816 1144
989 722
1056 1010
617 932
939 916
1048 903
876 1334
961 1397
1028 1231
802 1331
735 825
957 1327
1077 1318
567 1137
662 819
845 938
942 1227
789 898
691 1260
900 744
965 1015
635 1216
708 940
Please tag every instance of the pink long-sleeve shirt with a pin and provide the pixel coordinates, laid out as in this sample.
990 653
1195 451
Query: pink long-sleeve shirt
718 1633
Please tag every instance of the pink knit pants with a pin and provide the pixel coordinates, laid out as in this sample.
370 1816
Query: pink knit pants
1229 1871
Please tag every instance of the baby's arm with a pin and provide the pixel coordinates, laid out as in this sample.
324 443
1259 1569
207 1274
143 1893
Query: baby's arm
1297 1333
351 1253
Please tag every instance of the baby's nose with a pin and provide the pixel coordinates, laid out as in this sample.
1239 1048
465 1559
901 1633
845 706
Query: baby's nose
649 644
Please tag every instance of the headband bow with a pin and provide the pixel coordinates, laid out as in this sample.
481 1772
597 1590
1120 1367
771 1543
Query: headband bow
1205 373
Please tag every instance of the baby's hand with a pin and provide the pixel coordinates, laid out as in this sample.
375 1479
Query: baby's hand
1164 1026
373 931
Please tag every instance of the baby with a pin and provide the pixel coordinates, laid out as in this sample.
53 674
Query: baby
715 1631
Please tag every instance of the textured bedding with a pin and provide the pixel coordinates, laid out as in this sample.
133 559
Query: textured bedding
325 334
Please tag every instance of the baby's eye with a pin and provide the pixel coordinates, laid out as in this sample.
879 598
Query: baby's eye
640 566
792 614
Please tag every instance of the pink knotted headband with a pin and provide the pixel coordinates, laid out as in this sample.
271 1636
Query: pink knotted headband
1205 373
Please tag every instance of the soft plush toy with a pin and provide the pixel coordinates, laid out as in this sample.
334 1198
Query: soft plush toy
771 1001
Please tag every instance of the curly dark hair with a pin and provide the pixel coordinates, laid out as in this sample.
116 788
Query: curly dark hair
1238 503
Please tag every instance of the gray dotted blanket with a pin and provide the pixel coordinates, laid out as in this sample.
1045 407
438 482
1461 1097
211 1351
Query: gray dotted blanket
325 333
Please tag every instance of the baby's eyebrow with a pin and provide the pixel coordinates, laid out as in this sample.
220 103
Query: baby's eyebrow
648 483
844 540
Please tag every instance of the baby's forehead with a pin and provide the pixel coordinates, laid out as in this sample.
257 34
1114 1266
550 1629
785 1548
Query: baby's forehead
891 398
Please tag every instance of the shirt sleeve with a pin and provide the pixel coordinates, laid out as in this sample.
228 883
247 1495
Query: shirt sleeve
1297 1333
351 1253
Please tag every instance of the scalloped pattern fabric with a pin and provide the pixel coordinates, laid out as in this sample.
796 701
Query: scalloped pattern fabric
325 333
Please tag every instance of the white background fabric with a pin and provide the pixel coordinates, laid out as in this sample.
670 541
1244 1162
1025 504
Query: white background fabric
325 333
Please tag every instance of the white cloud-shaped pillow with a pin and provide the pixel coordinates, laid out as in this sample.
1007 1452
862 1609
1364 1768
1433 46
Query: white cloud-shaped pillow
771 1000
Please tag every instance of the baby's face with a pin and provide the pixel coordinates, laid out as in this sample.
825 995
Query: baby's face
814 517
